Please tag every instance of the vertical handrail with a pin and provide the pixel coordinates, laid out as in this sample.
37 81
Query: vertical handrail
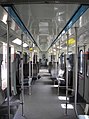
30 88
76 72
67 71
32 63
22 85
8 69
59 53
84 56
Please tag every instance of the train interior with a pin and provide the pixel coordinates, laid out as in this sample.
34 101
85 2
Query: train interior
44 61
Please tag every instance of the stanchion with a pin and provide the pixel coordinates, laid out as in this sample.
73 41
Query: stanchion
67 72
84 71
76 72
8 69
30 79
22 86
32 62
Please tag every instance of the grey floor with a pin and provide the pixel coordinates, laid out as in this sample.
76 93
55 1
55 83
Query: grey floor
44 102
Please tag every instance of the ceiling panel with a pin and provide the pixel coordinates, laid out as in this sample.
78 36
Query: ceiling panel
43 1
45 19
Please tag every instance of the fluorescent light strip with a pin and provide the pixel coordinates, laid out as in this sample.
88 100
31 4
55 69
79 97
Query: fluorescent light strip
25 45
19 42
54 50
4 18
43 24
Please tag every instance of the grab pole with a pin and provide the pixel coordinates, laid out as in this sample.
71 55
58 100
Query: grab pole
32 60
67 71
22 85
8 69
30 87
76 72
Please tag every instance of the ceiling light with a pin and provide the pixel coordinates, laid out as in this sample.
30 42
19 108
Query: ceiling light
70 31
54 46
60 18
5 18
35 51
17 41
43 24
25 45
63 32
54 50
33 45
80 23
60 13
43 30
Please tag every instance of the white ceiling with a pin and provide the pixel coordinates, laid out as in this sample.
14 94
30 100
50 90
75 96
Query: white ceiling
44 20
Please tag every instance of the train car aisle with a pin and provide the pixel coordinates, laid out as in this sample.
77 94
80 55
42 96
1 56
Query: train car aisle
44 102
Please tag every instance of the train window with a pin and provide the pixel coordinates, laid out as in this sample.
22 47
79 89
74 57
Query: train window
81 61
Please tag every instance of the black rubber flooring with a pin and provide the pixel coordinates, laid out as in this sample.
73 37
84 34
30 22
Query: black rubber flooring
44 102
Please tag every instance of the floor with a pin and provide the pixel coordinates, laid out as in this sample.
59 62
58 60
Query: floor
44 102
